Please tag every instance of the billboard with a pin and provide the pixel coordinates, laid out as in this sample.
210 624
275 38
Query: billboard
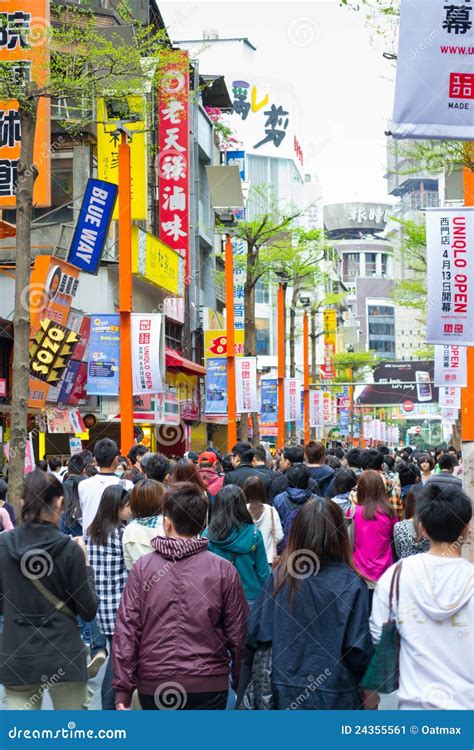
103 356
435 80
399 382
156 262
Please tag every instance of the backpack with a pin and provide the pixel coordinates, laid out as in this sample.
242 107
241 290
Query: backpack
293 509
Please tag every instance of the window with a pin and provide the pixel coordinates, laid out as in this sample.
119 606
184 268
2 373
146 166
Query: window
262 293
351 264
384 264
381 330
370 264
174 335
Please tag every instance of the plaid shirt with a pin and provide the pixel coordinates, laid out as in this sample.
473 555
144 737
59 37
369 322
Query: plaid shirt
392 488
110 575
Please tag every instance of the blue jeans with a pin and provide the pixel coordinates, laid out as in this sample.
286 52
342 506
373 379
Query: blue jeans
91 634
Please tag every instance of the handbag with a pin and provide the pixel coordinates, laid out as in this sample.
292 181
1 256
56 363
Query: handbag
382 674
258 695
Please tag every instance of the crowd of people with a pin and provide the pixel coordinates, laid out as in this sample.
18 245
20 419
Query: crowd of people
248 580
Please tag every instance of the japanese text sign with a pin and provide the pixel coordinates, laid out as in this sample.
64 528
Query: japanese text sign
292 400
147 353
450 365
246 384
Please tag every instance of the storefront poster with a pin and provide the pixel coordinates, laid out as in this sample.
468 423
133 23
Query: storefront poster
216 386
269 401
246 384
103 356
215 343
50 351
450 264
147 353
187 389
63 421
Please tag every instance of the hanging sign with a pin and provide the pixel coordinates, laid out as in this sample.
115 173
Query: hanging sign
103 356
92 225
316 408
450 398
216 386
292 399
269 401
450 365
147 351
246 384
51 350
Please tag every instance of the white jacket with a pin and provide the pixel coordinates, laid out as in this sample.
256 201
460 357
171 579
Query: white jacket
435 620
136 540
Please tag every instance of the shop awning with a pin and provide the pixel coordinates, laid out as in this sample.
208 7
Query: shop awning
7 230
176 361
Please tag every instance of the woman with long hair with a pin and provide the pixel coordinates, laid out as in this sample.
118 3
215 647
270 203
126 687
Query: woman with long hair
264 516
233 535
314 613
146 503
71 519
104 543
45 585
186 471
407 537
374 520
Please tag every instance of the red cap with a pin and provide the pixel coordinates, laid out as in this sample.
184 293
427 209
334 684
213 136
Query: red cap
208 457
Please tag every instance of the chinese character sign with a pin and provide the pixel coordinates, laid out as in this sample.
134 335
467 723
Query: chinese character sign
450 365
330 327
292 399
450 398
435 80
147 348
108 154
24 43
173 154
239 284
316 408
450 261
246 384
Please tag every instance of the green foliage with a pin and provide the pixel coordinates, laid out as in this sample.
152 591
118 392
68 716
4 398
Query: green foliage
412 292
357 362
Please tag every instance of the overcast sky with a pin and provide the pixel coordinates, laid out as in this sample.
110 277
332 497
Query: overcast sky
343 83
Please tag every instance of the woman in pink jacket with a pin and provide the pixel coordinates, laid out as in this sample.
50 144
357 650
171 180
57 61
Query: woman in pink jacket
182 618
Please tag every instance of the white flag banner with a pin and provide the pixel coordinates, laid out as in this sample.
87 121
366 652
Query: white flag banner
292 399
450 398
449 415
434 83
147 353
316 408
246 384
450 365
450 261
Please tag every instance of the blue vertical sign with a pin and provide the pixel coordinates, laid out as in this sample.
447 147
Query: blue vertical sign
103 356
92 225
216 386
269 400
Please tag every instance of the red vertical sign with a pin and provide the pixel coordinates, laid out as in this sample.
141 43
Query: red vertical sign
174 155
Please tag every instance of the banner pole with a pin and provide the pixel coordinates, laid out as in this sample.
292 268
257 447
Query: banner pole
306 377
125 296
229 307
281 364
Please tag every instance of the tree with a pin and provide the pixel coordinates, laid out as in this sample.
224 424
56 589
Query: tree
84 64
350 366
264 236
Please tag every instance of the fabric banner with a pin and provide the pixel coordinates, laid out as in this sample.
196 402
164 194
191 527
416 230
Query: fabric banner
29 454
450 398
103 356
449 414
269 401
450 365
147 350
292 399
246 384
316 408
450 261
216 386
434 89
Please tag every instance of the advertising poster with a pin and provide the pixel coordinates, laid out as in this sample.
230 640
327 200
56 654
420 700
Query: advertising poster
399 383
450 365
450 398
50 351
450 263
215 343
216 386
292 399
269 401
330 328
103 356
434 84
92 226
147 351
316 408
246 384
187 389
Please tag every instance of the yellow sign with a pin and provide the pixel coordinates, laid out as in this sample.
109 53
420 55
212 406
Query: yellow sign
330 327
156 262
107 155
51 350
215 343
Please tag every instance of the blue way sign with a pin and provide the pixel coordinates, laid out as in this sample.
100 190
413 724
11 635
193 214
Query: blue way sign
93 225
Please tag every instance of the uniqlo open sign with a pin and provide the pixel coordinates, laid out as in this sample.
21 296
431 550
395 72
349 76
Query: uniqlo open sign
461 86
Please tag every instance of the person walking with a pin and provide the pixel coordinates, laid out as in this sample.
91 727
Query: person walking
182 618
233 535
46 583
426 464
374 519
323 474
146 504
314 613
71 519
406 534
104 544
434 609
265 517
297 493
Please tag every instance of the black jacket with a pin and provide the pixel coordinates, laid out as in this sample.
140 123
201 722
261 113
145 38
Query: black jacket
321 644
39 641
280 484
243 472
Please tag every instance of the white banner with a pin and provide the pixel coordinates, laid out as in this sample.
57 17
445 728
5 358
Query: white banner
292 399
449 415
434 85
450 366
316 408
450 261
450 398
147 353
246 384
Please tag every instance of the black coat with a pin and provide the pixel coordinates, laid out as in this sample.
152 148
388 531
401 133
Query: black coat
280 484
38 641
243 472
321 644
